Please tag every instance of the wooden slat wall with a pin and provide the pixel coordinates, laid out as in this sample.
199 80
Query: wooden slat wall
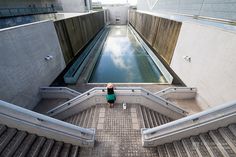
162 34
74 33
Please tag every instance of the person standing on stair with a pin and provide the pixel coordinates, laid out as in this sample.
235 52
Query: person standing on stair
111 97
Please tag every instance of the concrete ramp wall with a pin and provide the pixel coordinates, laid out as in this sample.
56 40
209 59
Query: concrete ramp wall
31 57
74 33
212 64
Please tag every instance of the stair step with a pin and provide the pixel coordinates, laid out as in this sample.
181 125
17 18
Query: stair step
180 149
151 123
210 145
146 122
6 137
10 149
85 121
65 150
25 146
232 128
82 118
78 116
165 119
73 119
200 147
161 119
90 118
74 151
157 115
189 147
221 143
229 137
153 118
36 147
171 150
142 125
56 149
46 148
2 129
162 151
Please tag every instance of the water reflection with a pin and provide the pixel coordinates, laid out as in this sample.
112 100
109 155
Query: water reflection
123 59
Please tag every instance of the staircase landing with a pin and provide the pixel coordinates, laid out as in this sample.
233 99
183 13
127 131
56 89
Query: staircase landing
117 132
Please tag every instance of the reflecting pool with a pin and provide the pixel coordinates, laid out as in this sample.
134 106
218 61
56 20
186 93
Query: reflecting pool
124 60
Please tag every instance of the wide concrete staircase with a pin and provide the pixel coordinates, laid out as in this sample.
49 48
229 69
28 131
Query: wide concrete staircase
16 143
215 143
85 119
152 118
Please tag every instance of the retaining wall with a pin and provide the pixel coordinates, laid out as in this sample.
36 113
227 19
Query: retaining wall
213 62
160 33
23 67
74 33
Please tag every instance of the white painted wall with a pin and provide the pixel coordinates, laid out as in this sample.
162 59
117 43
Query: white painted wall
213 62
23 68
117 12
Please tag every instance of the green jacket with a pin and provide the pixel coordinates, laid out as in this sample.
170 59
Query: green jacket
111 97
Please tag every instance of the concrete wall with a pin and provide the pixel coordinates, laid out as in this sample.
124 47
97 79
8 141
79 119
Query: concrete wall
117 14
25 3
212 51
72 6
27 7
160 33
74 33
224 9
23 68
213 62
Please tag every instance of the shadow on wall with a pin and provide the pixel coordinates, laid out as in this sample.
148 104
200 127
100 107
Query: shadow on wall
74 33
160 33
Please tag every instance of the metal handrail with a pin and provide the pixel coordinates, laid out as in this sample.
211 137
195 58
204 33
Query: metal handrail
58 92
127 91
32 122
180 90
176 89
191 125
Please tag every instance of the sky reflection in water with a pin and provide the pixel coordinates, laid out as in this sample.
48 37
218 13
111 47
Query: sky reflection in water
124 60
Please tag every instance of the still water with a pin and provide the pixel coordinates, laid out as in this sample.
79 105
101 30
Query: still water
124 60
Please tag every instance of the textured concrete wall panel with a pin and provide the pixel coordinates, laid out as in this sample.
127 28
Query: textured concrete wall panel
23 68
74 33
64 40
160 33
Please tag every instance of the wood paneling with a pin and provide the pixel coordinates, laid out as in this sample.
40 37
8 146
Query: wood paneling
74 33
162 34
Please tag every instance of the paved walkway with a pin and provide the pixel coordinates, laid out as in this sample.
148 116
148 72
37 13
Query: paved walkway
118 134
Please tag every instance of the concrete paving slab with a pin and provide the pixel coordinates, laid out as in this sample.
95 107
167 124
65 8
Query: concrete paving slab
118 136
